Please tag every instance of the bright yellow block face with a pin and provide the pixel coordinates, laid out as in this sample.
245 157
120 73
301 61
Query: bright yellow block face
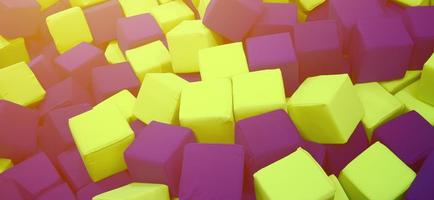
376 173
158 98
326 109
5 164
170 14
102 136
19 85
137 7
185 41
379 105
206 108
69 28
339 191
309 5
46 3
396 85
136 191
113 53
258 92
12 52
201 8
223 61
425 92
408 97
84 3
149 58
124 101
296 176
277 1
413 3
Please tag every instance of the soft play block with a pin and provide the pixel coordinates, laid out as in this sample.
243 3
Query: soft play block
13 51
5 164
61 191
185 41
164 167
45 71
206 108
137 7
409 136
376 56
309 5
276 18
69 28
19 18
113 53
107 184
84 3
326 109
102 20
45 4
296 176
222 61
72 168
319 13
316 150
379 105
124 101
142 65
232 19
190 77
205 173
170 14
201 7
132 32
426 83
11 190
413 3
136 191
408 97
376 173
158 98
18 84
101 136
319 49
111 79
339 193
421 188
395 86
137 126
274 51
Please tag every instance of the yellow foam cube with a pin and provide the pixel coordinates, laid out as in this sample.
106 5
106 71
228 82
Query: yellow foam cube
257 93
326 109
46 3
339 191
379 105
84 3
396 85
69 28
296 176
408 97
206 108
425 91
309 5
277 1
377 173
222 61
149 58
137 7
158 98
413 3
114 54
18 84
124 101
136 191
5 164
202 6
102 136
12 52
170 14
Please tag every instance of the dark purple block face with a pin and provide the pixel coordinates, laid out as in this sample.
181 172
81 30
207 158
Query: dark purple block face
72 168
422 186
110 183
409 136
44 70
275 18
190 77
137 127
274 51
61 191
11 191
212 171
318 151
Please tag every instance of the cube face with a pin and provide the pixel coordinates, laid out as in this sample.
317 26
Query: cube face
73 169
5 164
170 14
84 3
135 191
340 193
114 54
22 17
276 18
397 85
69 28
61 191
283 180
124 101
12 52
376 174
206 108
137 7
413 2
43 68
420 188
309 5
427 82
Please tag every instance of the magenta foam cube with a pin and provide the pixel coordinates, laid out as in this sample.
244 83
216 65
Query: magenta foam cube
10 190
44 70
318 151
138 30
319 48
380 51
409 136
274 51
107 184
232 19
61 191
422 186
319 13
190 77
212 171
19 18
156 154
137 127
72 169
275 18
18 131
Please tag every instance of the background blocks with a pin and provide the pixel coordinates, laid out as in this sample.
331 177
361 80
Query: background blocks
124 101
426 84
170 14
19 18
72 168
309 5
421 186
61 191
137 7
5 164
135 191
12 52
339 193
408 97
84 3
397 85
114 54
413 3
275 18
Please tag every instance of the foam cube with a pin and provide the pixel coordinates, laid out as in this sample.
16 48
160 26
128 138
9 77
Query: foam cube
11 190
135 191
114 54
206 108
421 188
319 50
158 98
316 150
12 52
379 106
205 175
132 32
45 4
72 168
18 84
101 136
84 3
413 2
170 14
19 18
61 191
275 18
137 7
326 109
111 79
376 174
45 71
137 126
160 62
164 167
408 96
309 5
296 176
339 193
267 83
201 7
232 19
185 41
274 51
190 77
122 100
69 28
5 164
107 184
426 83
395 86
319 13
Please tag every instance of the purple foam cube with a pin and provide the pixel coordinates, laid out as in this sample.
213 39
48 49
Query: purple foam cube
19 18
12 191
72 168
44 70
393 10
212 171
409 136
190 77
232 19
107 184
274 51
318 151
380 51
156 155
61 191
319 13
137 127
276 18
422 186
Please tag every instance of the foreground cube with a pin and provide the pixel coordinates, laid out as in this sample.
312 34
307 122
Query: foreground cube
421 186
275 18
426 83
136 191
124 101
170 14
72 168
408 96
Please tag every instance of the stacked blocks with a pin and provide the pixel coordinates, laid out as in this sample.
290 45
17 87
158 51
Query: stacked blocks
326 109
19 18
137 7
170 14
61 191
12 52
421 188
5 164
276 18
135 191
114 54
73 170
409 97
424 91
